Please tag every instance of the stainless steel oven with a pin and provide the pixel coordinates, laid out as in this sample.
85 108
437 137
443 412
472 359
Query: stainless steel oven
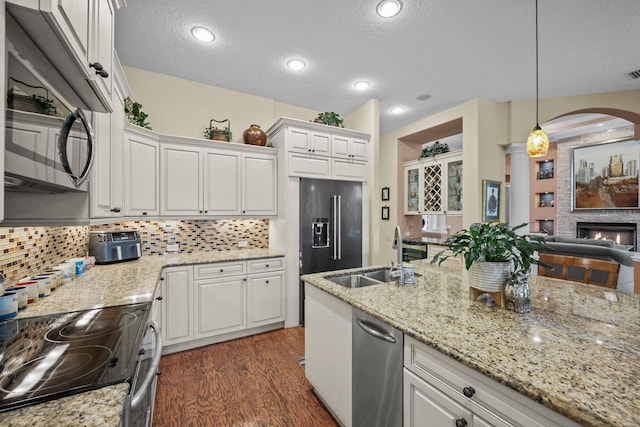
138 410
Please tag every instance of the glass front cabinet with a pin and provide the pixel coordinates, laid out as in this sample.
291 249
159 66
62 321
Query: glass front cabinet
434 185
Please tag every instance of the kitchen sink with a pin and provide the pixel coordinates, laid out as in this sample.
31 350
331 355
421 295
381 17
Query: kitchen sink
365 278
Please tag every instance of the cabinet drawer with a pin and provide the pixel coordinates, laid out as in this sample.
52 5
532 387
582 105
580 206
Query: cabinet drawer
504 402
265 265
221 269
309 165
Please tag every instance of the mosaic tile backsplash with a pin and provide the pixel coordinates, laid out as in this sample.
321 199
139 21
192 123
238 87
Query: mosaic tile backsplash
27 250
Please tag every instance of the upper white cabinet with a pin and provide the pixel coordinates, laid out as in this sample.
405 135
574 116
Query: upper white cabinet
77 38
315 150
229 180
141 172
433 185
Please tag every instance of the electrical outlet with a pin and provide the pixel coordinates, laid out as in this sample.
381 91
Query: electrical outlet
242 244
173 248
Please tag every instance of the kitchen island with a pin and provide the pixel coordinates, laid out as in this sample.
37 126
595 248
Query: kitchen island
577 352
103 286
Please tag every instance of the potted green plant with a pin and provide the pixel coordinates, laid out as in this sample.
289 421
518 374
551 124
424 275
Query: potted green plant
212 132
134 113
434 149
330 118
490 252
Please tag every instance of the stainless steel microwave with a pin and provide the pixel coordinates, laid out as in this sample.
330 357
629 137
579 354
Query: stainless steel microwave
49 146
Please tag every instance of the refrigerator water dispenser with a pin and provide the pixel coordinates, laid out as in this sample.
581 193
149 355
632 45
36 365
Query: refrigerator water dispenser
320 230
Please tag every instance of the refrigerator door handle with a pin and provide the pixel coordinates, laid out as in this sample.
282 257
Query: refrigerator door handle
339 241
334 208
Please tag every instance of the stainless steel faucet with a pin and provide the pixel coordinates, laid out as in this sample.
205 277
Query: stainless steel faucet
397 245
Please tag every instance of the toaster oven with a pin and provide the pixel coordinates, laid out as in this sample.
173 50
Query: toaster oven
114 246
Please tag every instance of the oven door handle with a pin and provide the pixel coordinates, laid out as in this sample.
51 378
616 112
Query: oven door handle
137 398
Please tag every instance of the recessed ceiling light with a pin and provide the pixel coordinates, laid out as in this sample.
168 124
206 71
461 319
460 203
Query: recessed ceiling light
600 124
202 34
389 8
362 85
296 64
397 110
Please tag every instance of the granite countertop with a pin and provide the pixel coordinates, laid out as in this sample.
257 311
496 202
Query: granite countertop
577 351
107 285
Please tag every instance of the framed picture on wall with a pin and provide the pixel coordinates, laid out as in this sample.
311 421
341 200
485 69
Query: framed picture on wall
385 193
490 200
385 213
605 176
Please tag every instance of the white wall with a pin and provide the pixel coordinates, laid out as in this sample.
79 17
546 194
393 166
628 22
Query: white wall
183 107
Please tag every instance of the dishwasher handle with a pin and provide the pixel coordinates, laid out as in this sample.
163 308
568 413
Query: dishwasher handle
374 330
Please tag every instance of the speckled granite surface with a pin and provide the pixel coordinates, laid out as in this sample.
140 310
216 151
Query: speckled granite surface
127 282
577 351
107 285
102 407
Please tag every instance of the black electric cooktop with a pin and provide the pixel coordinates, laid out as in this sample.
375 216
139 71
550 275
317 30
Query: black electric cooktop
48 357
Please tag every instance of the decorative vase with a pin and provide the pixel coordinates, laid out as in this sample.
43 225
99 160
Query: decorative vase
254 136
517 293
489 276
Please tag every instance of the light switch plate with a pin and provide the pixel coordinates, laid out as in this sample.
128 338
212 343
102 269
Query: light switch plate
173 248
242 244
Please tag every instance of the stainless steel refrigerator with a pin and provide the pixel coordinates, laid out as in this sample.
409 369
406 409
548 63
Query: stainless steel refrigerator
330 227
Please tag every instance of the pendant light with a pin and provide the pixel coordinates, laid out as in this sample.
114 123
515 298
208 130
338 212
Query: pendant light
538 141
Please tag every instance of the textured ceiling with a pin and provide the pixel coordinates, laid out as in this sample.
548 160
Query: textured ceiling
453 50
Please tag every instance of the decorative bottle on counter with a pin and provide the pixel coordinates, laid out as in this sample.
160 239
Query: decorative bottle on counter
517 294
254 136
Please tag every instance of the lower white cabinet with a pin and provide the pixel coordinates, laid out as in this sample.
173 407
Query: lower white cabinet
177 300
206 303
440 391
327 350
221 306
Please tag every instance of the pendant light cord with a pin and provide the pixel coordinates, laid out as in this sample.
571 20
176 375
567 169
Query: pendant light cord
537 97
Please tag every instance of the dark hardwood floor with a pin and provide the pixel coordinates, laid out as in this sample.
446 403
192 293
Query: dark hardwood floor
249 382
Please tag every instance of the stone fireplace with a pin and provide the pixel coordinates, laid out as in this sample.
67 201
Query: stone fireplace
623 235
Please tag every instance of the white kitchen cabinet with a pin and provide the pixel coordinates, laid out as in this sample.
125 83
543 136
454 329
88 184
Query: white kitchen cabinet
438 390
433 185
199 181
220 306
141 172
349 148
265 298
315 150
107 184
181 180
309 142
259 184
77 36
327 347
225 300
177 303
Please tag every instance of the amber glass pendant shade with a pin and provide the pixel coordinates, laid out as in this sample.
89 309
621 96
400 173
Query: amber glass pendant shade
537 143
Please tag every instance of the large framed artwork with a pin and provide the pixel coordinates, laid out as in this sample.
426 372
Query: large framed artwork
490 200
605 176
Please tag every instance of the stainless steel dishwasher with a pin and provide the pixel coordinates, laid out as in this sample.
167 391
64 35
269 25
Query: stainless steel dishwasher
377 372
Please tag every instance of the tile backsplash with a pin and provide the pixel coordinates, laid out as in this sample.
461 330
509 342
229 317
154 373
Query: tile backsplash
197 235
25 251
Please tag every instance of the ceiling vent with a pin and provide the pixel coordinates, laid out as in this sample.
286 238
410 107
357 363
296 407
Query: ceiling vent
633 75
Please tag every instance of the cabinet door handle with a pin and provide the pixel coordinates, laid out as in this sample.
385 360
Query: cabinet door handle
99 69
469 391
461 422
144 213
266 266
159 298
206 211
116 210
266 281
222 270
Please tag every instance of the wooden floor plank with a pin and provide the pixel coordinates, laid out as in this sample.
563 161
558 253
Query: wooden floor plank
250 382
